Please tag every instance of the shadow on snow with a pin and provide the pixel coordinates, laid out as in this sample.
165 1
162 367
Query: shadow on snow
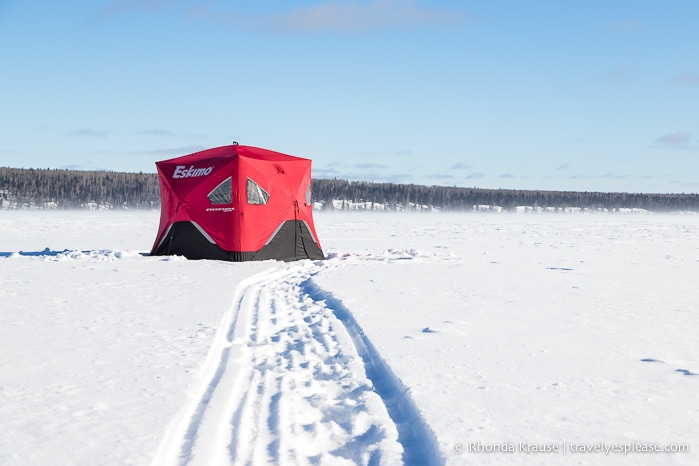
45 253
48 252
418 441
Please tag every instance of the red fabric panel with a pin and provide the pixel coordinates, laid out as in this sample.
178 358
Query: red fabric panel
186 181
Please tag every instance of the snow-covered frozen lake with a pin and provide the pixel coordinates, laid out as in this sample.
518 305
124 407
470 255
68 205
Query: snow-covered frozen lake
423 339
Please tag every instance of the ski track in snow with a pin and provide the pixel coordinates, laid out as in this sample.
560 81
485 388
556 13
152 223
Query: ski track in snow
291 379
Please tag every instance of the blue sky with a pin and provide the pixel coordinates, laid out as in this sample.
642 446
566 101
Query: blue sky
588 96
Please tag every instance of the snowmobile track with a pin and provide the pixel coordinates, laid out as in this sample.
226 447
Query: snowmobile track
291 379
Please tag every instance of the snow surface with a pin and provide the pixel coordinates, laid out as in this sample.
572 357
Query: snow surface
422 339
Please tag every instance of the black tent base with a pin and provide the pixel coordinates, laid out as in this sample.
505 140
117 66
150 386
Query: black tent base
292 241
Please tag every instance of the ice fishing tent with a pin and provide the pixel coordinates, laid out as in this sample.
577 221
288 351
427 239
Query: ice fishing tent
236 203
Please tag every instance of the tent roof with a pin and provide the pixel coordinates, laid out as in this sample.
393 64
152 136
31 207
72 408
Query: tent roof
235 150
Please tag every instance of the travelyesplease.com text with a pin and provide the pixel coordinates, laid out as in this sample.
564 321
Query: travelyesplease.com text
564 448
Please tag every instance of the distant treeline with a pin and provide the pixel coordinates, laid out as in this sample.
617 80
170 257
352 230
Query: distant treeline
69 189
453 198
36 188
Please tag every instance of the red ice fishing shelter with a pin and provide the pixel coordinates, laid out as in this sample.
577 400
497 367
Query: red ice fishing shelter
236 203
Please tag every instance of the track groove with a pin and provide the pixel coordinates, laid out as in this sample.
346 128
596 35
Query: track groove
286 382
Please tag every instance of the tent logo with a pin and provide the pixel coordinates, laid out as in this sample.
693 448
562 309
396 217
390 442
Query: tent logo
181 171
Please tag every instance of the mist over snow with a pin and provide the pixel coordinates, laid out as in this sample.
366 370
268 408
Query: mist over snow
423 339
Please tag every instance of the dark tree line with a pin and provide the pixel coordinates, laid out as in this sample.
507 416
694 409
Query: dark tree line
75 189
35 188
453 198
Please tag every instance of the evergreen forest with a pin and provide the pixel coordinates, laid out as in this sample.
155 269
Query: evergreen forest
71 189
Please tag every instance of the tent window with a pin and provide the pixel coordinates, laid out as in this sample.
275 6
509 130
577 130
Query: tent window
223 193
256 195
308 194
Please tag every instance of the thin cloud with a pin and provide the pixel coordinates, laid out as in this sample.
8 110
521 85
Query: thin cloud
116 8
508 175
614 176
627 25
460 166
692 184
608 175
370 166
164 152
686 79
344 16
356 16
564 166
88 133
440 176
619 76
154 132
473 176
322 172
679 140
174 151
359 173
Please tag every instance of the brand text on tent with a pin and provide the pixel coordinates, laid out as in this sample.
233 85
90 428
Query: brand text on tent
181 171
